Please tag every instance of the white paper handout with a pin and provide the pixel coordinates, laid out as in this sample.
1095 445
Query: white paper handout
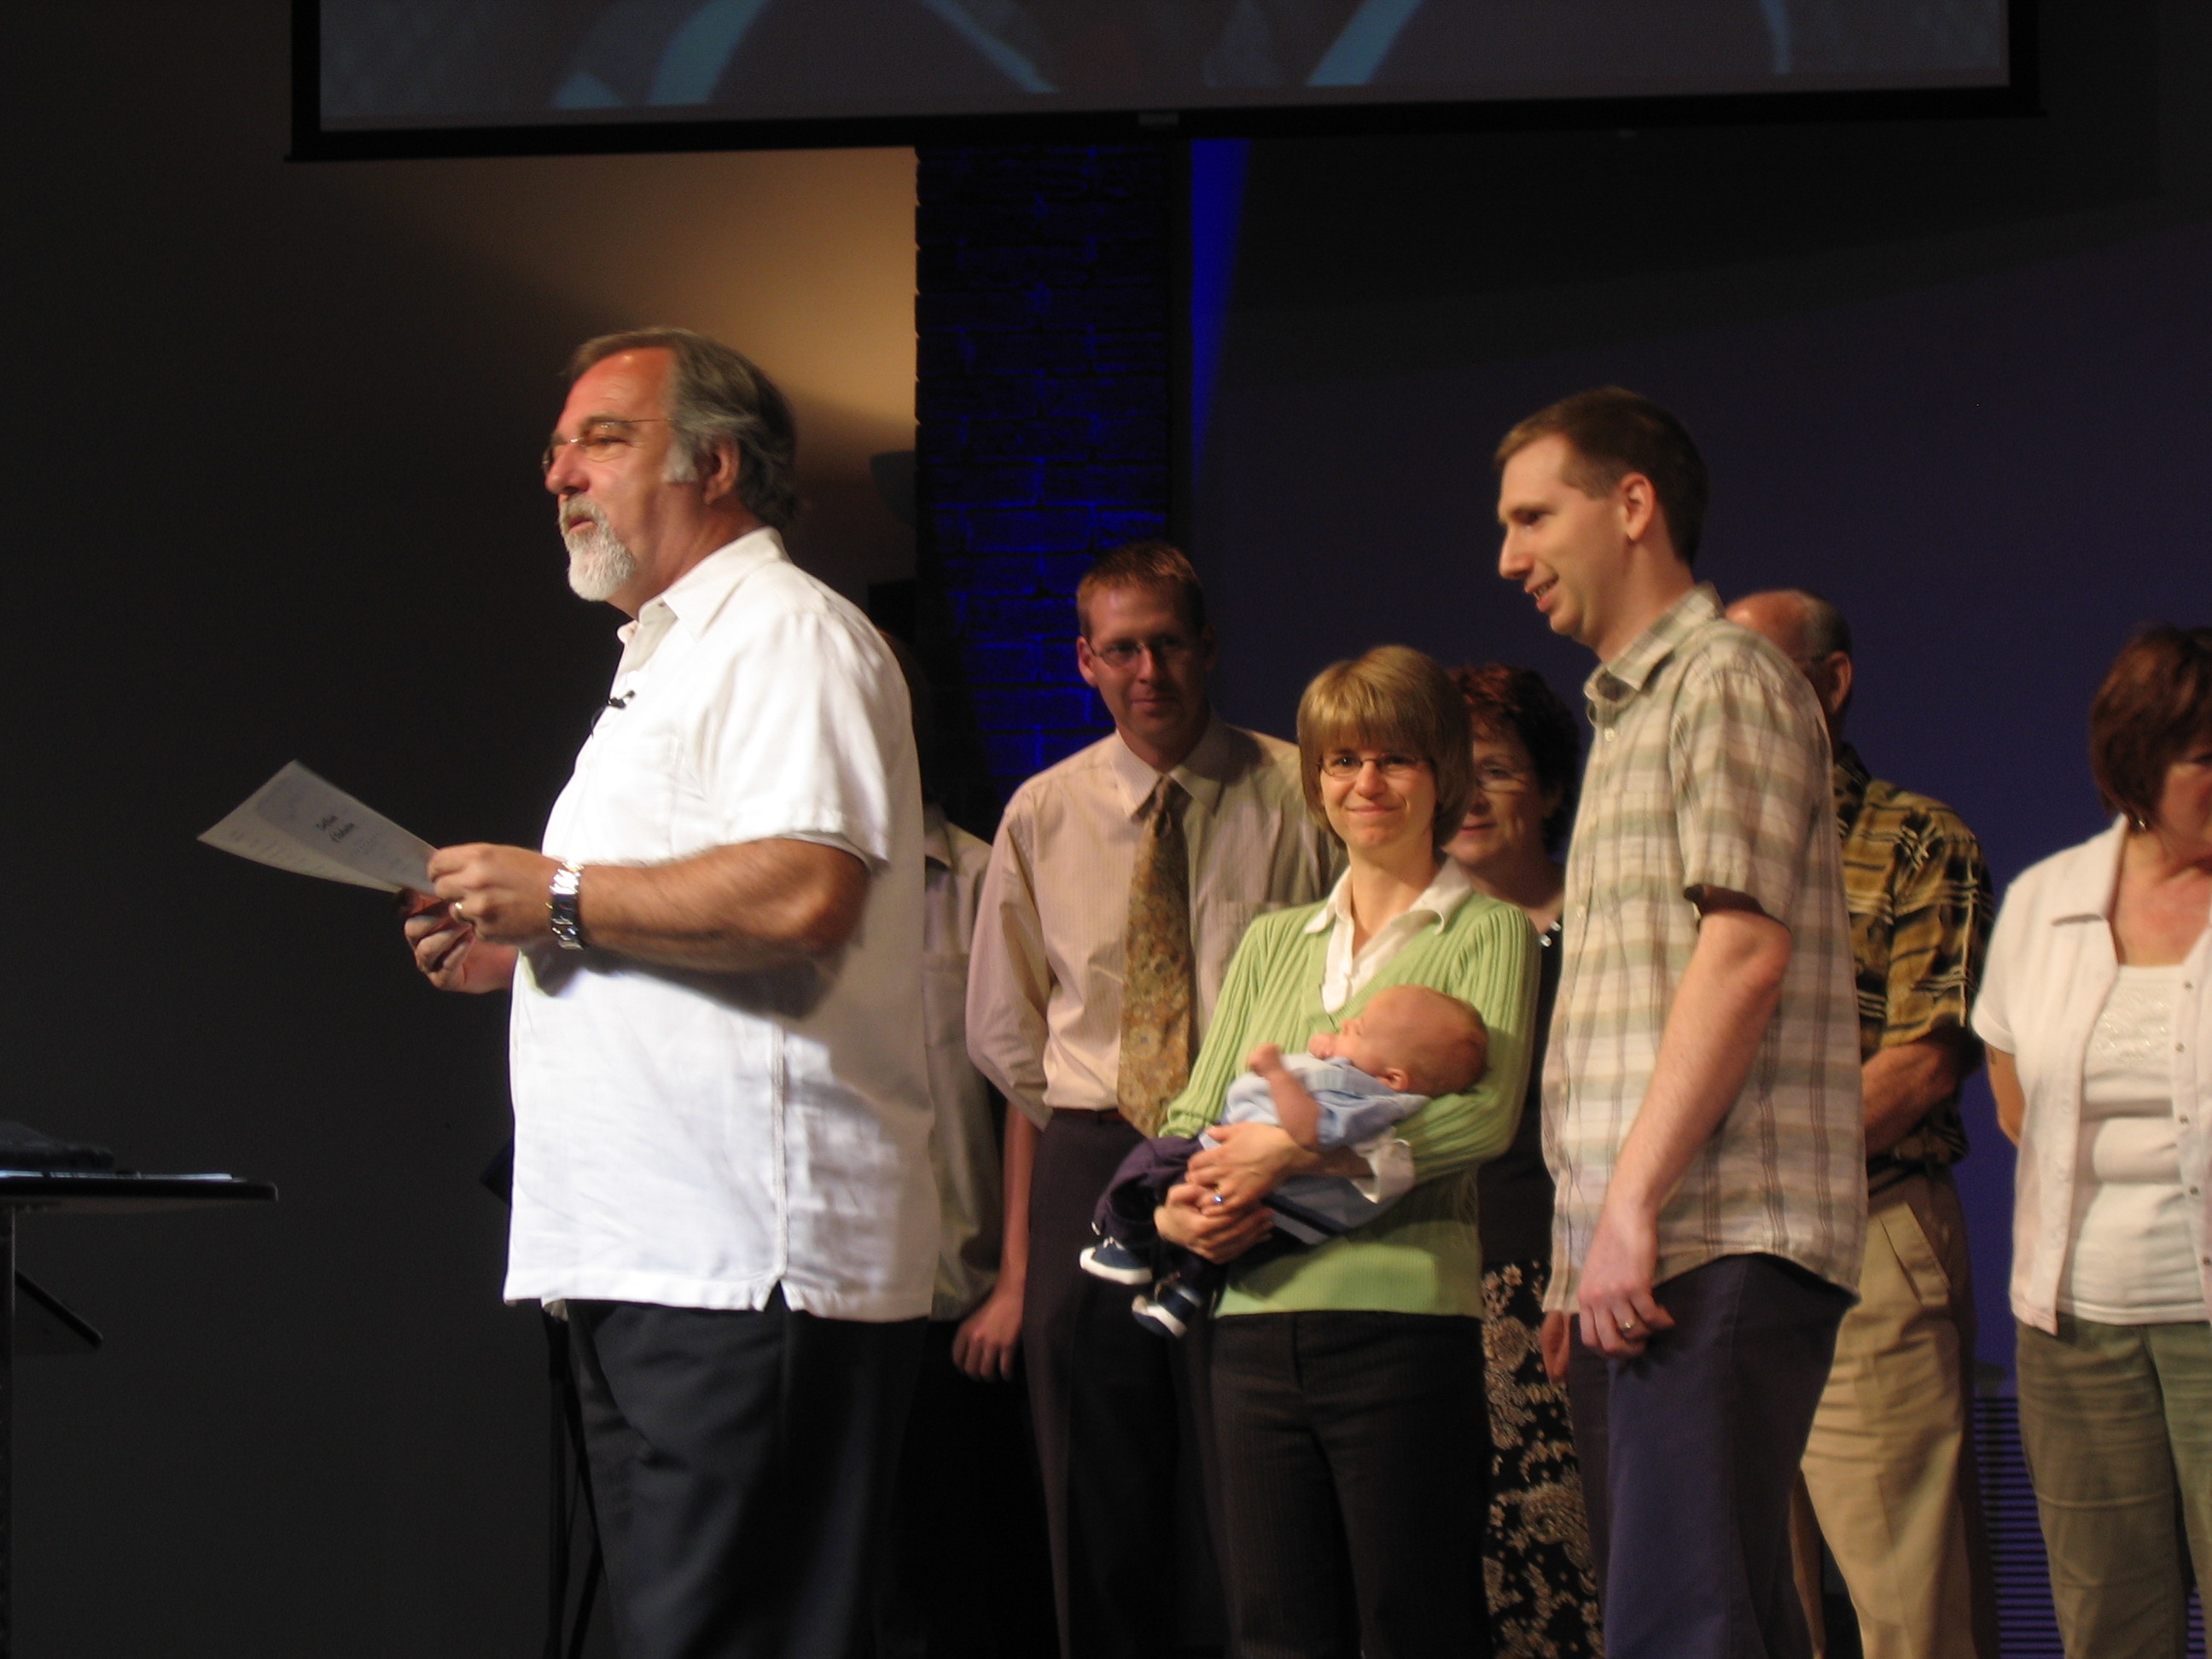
297 821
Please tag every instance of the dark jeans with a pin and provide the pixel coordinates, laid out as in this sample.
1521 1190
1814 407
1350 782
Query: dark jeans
1689 1454
1119 1426
741 1471
1355 1473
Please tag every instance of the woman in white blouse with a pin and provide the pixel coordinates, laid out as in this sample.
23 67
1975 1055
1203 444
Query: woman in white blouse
2097 1008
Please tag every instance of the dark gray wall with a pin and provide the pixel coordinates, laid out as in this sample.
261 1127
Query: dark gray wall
1957 376
275 496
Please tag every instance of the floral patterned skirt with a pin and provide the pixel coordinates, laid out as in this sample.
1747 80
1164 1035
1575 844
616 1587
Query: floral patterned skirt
1536 1563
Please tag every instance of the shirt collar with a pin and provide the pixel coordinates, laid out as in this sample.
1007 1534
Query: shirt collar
1614 682
1438 899
2085 887
693 598
1202 772
1849 780
936 844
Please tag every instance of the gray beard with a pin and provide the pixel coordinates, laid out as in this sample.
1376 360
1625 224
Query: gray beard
598 562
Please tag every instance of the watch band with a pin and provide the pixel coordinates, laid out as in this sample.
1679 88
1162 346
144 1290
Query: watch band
562 907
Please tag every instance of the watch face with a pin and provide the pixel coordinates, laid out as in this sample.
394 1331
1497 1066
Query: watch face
562 912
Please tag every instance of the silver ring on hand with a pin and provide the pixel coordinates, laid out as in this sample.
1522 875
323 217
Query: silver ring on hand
1218 1198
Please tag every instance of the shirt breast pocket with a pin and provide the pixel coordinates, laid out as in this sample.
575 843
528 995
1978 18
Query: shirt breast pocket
1638 852
637 780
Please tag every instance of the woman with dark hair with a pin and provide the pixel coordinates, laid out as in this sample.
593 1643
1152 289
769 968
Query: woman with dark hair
2097 1008
1352 1446
1538 1570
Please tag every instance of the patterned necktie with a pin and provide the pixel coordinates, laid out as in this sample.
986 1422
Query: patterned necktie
1159 987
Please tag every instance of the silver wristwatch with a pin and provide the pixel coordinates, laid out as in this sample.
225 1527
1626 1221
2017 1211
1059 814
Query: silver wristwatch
561 908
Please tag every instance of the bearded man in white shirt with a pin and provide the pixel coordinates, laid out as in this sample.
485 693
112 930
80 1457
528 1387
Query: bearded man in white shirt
721 1100
1120 882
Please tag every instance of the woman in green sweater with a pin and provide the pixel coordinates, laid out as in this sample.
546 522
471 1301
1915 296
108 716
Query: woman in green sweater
1347 1379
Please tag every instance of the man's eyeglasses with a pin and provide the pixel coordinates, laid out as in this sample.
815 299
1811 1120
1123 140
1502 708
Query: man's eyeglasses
600 441
1123 653
1346 766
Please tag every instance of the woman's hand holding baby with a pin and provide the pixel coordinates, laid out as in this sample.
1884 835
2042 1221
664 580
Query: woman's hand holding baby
1192 1218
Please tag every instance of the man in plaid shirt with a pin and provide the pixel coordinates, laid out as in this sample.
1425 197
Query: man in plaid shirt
1701 1090
1889 1471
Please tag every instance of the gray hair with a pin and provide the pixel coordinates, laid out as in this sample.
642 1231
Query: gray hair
717 395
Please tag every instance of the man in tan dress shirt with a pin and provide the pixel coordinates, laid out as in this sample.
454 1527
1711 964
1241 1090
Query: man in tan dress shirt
1113 1406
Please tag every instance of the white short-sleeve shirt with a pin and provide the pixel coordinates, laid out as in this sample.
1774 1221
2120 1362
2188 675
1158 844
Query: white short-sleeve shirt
695 1138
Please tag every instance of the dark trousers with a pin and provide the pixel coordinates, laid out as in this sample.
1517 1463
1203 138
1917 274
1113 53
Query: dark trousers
1690 1453
1118 1426
741 1468
1588 1380
970 1576
1355 1467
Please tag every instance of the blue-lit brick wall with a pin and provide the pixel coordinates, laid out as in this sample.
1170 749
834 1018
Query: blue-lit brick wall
1044 306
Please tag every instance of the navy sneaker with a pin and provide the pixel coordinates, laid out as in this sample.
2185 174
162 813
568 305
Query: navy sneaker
1109 1258
1170 1310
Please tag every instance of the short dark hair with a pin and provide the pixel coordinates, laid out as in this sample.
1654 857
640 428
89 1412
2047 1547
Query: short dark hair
1393 697
1144 564
1614 432
1520 703
2156 701
718 395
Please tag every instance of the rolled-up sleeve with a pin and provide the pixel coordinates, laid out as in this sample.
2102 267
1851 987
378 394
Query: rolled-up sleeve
1750 772
1009 979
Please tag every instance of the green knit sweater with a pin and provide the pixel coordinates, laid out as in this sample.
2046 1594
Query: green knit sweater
1422 1256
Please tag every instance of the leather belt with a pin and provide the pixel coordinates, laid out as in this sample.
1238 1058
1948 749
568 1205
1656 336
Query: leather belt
1102 1114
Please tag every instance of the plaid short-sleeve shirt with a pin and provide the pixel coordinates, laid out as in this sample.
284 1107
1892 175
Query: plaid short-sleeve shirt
1921 904
1711 770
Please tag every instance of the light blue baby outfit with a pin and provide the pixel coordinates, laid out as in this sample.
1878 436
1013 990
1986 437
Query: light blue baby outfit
1355 1109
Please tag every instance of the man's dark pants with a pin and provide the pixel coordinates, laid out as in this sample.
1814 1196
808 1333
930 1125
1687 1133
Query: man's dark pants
970 1576
741 1470
1689 1454
1119 1419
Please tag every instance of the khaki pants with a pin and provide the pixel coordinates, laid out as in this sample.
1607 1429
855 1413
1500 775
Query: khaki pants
2116 1423
1889 1471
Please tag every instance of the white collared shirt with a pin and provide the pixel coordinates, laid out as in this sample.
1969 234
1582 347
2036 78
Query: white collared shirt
1044 988
1345 973
1348 969
2053 965
695 1138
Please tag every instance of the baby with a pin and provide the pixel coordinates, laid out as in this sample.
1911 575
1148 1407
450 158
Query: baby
1409 1044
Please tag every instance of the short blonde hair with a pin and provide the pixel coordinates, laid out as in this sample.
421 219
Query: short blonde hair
1395 698
1157 566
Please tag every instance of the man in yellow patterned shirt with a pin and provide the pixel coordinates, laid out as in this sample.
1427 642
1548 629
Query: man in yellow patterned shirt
1889 1471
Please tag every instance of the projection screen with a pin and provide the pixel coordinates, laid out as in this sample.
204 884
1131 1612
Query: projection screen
381 76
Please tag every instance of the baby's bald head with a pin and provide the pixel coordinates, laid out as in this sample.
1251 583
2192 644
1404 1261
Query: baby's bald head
1418 1040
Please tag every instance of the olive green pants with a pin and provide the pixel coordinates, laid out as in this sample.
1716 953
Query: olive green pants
2116 1423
